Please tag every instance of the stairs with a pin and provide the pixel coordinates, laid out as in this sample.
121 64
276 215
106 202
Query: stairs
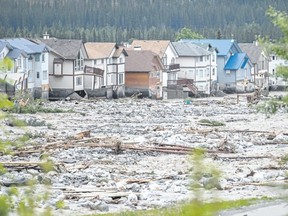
189 84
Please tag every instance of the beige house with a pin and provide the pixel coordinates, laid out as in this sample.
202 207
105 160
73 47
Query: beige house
107 60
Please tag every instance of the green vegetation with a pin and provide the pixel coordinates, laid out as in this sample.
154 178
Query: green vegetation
208 122
186 33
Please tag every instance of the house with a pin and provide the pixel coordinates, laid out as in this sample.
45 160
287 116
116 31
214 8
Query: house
12 75
260 62
233 66
31 59
275 81
144 73
66 66
108 63
196 65
168 56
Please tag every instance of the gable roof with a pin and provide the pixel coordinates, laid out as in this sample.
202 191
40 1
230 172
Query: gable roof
26 45
142 61
189 49
253 51
97 50
236 61
5 44
65 47
15 53
223 46
157 46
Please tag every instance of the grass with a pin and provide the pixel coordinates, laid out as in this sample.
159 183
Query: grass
195 208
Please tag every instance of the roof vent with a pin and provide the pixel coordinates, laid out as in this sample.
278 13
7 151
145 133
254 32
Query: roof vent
45 36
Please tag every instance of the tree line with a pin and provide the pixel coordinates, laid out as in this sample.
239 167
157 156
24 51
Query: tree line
121 21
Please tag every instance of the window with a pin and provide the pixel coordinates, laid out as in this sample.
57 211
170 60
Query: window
121 78
213 71
79 62
78 81
200 73
207 72
207 58
45 75
43 57
38 75
213 57
19 62
201 58
57 68
120 60
37 57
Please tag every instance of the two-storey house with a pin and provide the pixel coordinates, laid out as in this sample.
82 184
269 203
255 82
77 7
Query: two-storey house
196 66
107 60
144 74
260 63
66 72
168 56
36 67
276 82
233 66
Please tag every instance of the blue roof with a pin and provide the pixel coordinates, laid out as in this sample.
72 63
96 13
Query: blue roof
15 53
3 45
236 61
26 45
223 46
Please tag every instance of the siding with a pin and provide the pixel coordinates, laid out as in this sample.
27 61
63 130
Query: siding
137 80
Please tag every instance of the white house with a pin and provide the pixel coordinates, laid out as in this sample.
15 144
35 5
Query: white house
66 66
31 59
276 61
197 64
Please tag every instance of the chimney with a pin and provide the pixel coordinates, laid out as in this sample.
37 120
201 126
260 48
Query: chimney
45 36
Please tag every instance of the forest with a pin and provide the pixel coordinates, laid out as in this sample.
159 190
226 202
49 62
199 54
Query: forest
122 20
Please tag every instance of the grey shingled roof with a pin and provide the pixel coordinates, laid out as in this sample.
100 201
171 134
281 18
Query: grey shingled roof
189 49
67 48
252 50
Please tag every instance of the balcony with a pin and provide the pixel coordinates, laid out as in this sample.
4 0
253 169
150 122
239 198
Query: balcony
174 67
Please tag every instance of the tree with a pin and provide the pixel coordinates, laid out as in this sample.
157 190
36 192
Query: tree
186 33
280 47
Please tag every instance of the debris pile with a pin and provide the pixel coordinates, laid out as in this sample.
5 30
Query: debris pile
130 154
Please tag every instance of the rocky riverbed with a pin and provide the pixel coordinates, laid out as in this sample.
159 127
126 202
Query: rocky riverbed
130 154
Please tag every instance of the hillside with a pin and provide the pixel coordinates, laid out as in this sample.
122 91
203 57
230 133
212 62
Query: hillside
118 20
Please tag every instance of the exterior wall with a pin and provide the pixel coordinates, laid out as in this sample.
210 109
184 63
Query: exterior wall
65 81
137 80
155 86
273 64
222 76
4 53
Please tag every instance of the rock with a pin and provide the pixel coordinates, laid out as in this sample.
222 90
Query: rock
99 205
132 199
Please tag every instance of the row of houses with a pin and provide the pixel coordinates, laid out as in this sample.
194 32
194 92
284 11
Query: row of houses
56 68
